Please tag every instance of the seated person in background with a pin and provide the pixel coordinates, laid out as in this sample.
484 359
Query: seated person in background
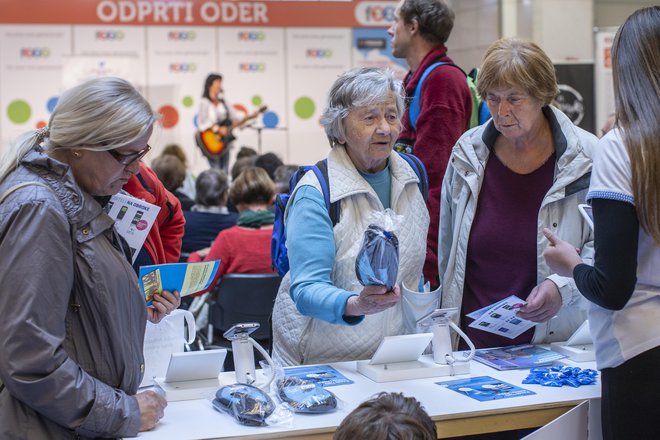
163 243
245 248
171 172
387 416
188 186
525 169
209 215
245 152
269 162
321 306
239 166
283 175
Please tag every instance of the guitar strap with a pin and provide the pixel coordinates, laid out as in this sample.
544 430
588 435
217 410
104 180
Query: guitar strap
227 121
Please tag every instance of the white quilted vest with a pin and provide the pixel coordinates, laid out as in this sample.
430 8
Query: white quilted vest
300 339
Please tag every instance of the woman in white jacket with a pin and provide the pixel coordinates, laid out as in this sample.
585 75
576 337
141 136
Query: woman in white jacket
527 168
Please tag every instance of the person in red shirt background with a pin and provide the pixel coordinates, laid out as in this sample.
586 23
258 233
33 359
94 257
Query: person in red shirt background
163 243
245 248
419 33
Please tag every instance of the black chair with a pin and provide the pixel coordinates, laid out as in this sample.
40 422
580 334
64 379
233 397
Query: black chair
243 298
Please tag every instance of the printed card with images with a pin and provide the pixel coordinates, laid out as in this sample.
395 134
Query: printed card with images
501 318
324 375
485 388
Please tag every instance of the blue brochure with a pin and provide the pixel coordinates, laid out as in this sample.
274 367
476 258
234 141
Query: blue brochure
324 375
485 388
185 278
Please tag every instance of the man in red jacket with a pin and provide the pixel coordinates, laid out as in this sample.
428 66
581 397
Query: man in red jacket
419 33
163 243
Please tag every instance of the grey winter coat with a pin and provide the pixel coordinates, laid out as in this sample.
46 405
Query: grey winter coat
70 345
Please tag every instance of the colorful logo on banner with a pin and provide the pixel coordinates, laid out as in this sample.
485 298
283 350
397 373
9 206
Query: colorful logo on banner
181 36
251 36
318 53
251 67
35 52
109 35
375 13
183 67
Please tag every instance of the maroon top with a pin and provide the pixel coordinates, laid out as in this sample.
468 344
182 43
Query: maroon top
445 109
502 253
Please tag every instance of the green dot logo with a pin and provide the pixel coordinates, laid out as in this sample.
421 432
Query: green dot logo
257 101
187 101
19 111
304 107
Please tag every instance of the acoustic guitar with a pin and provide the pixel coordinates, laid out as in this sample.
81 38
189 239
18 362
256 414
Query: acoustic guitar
213 143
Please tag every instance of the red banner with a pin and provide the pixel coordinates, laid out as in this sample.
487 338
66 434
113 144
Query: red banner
199 12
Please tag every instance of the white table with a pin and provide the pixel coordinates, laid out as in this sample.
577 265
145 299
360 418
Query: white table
453 413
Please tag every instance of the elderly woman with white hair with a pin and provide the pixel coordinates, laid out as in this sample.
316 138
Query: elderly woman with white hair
322 314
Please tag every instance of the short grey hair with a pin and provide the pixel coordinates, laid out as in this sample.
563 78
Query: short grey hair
358 88
211 185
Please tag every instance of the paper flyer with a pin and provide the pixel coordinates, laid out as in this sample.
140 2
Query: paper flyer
324 375
186 278
517 356
485 388
501 318
133 219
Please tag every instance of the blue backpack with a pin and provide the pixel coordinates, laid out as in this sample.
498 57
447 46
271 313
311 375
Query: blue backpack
278 251
480 113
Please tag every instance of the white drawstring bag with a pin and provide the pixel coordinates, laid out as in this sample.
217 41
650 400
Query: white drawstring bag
163 339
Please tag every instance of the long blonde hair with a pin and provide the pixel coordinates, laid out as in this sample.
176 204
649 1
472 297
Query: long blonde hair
636 73
100 114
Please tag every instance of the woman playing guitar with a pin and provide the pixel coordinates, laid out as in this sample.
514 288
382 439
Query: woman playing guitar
215 122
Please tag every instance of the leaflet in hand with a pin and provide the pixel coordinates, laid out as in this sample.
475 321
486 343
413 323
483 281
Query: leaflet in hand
500 318
185 278
133 219
516 356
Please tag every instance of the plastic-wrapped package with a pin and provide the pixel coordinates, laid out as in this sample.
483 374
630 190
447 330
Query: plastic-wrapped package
377 262
247 404
304 396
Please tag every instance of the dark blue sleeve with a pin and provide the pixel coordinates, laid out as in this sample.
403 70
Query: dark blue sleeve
611 281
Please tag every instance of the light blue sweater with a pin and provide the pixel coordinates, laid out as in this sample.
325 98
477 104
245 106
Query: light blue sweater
311 248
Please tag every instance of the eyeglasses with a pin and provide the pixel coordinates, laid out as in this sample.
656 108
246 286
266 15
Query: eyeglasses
127 159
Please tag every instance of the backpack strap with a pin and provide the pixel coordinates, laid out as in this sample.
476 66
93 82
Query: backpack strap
420 170
321 172
414 109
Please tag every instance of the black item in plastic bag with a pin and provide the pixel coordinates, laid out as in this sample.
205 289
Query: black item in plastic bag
247 404
377 262
305 396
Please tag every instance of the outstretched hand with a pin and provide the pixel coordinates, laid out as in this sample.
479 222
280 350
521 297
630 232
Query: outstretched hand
372 299
560 256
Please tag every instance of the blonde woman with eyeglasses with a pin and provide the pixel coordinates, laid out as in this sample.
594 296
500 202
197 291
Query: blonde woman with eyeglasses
73 317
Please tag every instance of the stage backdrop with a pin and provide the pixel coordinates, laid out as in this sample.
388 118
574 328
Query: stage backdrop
167 48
